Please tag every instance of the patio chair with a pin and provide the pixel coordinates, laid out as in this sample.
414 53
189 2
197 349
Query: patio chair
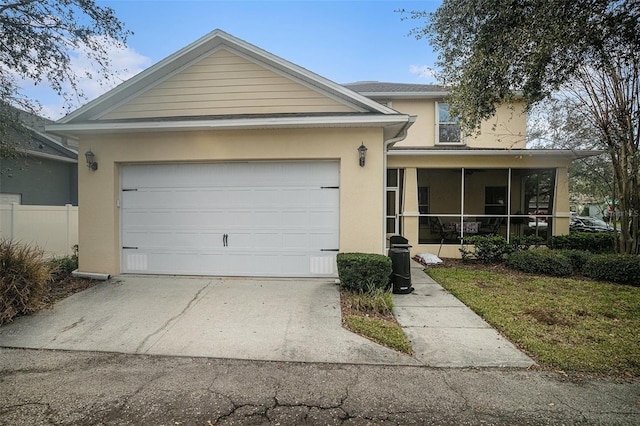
436 228
446 231
492 227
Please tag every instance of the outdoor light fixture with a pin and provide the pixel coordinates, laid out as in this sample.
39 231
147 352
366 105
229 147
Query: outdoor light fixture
91 160
362 151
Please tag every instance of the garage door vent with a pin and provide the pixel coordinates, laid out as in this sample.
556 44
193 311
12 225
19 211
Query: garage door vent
322 265
137 262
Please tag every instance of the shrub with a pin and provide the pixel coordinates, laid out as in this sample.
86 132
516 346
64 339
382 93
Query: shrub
24 280
363 271
578 258
546 262
524 243
598 242
62 267
617 268
489 249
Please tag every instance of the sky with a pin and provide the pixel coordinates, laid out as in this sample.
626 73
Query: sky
344 41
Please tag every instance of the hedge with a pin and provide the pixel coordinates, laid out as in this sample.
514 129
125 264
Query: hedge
596 242
494 249
617 268
546 262
578 258
363 271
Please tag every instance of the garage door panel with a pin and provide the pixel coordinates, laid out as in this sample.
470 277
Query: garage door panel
324 240
277 218
268 219
296 219
268 240
299 240
320 219
237 218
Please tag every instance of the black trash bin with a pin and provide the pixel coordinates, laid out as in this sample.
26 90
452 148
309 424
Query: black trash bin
399 253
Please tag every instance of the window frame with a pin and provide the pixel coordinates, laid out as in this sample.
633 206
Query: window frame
451 122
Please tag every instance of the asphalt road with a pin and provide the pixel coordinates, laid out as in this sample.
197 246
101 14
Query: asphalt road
85 388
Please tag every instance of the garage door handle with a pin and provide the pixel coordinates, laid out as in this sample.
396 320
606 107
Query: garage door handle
329 249
225 240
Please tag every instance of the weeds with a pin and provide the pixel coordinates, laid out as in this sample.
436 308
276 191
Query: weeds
373 301
24 279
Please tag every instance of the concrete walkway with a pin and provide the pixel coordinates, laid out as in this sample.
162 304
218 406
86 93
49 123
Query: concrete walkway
444 332
257 319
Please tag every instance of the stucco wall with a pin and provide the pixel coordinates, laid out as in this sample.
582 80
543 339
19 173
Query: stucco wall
361 188
507 129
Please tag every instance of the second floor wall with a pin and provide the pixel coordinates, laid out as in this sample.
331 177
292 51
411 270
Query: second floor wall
506 130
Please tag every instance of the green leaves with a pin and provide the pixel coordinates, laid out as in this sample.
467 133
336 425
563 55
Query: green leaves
491 50
39 36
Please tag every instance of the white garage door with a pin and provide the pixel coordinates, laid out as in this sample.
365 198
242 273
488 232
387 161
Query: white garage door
246 219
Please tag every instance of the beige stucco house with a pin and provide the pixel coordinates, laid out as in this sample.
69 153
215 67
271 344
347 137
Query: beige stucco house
224 159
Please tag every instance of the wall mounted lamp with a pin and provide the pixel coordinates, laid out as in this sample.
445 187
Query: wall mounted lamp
362 152
91 160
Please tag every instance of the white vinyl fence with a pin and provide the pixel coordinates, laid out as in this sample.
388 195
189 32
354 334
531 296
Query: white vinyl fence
52 228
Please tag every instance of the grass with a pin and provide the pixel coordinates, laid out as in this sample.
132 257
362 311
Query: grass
384 332
564 323
369 314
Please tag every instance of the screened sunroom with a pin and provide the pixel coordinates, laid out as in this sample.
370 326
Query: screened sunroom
436 204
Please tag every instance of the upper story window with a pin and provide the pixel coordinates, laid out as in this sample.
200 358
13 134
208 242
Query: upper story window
447 127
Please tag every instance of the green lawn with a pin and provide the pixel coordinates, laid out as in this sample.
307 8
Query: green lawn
566 324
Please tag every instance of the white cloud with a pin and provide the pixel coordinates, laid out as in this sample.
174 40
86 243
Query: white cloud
125 63
423 71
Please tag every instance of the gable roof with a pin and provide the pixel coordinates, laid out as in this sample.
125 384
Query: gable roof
367 112
32 139
380 89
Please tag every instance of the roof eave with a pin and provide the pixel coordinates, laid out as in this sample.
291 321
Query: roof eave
380 120
405 95
561 153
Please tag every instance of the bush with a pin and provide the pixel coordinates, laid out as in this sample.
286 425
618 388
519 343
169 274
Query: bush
489 249
578 258
24 280
617 268
62 267
598 242
363 271
546 262
524 243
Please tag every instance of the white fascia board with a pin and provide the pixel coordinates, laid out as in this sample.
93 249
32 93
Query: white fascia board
239 123
405 95
566 153
48 156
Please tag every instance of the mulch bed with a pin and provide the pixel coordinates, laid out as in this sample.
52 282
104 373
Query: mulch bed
67 286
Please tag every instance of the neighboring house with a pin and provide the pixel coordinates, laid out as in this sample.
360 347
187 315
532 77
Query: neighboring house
47 173
224 159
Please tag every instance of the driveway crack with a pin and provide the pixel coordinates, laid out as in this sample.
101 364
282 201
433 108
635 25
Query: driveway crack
171 321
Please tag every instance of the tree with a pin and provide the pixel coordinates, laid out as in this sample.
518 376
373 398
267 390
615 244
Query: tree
37 38
558 124
491 51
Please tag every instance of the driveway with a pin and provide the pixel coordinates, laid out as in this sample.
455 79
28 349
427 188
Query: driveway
258 319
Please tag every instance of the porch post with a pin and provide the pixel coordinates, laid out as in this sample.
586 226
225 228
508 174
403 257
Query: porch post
410 205
561 212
